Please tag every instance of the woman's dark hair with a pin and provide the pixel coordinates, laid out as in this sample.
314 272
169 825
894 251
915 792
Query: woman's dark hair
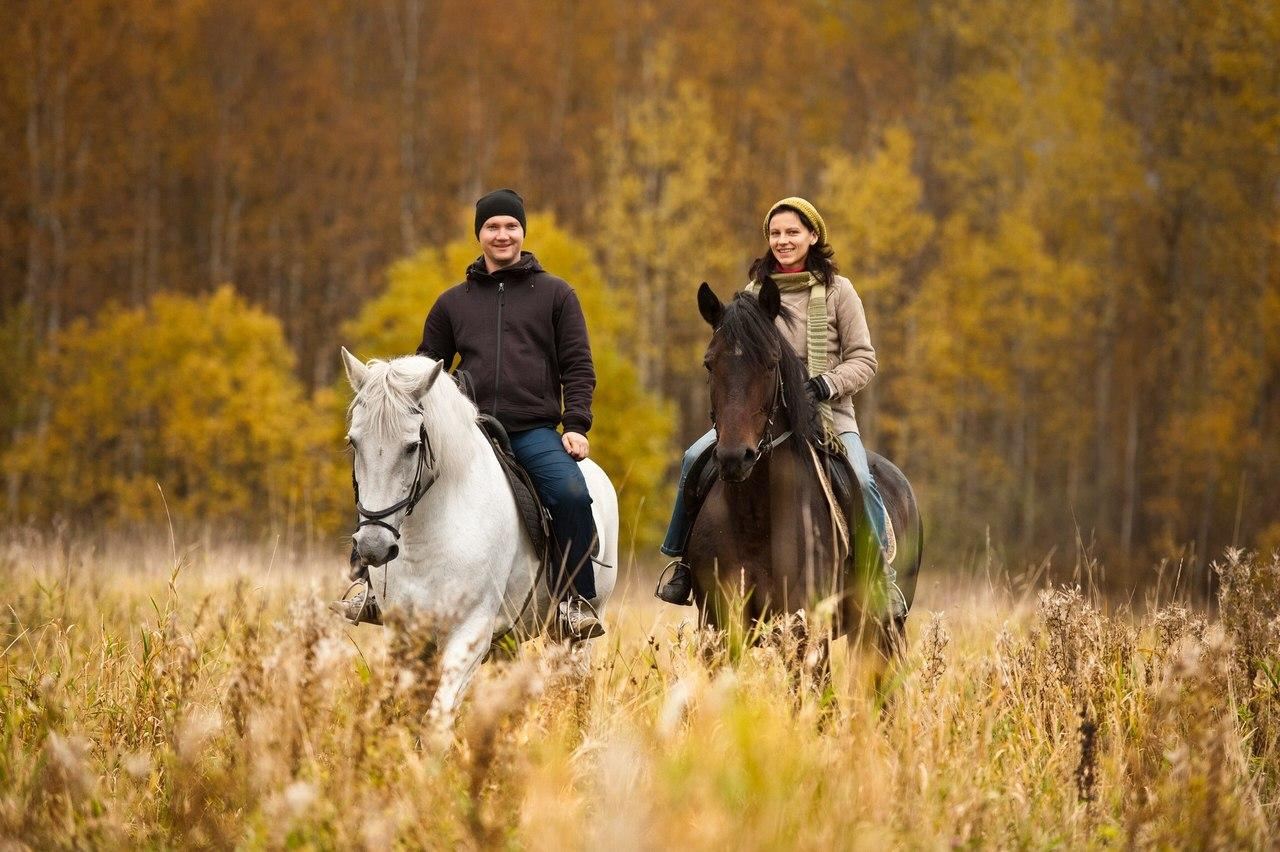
819 261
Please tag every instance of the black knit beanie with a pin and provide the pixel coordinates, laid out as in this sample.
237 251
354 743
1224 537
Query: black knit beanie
500 202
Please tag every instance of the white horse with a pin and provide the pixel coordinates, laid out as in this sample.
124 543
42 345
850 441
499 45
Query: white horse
453 548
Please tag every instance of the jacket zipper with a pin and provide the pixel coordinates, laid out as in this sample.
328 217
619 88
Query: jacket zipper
497 367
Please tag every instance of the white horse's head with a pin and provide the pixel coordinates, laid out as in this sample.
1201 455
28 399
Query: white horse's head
395 456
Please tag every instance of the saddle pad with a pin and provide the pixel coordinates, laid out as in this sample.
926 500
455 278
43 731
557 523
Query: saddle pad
532 514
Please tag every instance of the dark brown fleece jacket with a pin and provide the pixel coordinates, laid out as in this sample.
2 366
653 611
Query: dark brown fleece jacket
522 339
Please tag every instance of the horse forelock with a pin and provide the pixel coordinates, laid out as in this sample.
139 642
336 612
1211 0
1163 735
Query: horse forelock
387 406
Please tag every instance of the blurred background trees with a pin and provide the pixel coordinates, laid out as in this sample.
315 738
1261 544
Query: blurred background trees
1062 217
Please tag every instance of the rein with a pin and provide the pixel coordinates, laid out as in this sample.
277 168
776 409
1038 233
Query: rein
417 490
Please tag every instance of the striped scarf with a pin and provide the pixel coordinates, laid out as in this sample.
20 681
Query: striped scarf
816 344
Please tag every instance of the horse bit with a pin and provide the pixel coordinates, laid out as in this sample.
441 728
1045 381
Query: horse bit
426 459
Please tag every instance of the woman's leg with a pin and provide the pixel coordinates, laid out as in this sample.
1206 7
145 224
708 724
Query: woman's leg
873 561
871 498
678 529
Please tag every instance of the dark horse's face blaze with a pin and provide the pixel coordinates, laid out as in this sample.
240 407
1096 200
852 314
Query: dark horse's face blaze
744 376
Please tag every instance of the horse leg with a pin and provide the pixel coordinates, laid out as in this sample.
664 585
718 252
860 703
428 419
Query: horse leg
461 655
811 663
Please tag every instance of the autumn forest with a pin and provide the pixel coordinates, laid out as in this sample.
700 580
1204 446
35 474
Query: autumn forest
1063 218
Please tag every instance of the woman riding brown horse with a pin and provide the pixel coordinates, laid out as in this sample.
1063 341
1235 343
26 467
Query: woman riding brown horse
827 327
766 539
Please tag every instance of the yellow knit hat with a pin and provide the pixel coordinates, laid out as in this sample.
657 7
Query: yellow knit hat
810 212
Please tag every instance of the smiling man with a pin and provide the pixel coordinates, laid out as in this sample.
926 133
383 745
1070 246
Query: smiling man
521 337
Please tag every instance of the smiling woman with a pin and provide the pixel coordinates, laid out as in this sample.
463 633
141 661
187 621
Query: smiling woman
822 318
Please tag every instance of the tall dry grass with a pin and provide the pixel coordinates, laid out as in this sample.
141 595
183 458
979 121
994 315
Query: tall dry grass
208 700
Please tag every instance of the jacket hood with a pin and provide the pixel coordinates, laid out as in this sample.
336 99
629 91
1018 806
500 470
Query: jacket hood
527 265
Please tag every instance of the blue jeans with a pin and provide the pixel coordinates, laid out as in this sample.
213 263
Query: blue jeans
563 490
872 502
677 530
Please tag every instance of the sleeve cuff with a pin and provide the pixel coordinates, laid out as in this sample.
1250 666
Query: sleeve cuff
573 424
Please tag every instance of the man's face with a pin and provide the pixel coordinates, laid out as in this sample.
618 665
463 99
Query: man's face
500 240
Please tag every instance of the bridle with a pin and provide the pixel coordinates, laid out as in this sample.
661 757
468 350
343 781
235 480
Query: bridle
426 464
768 443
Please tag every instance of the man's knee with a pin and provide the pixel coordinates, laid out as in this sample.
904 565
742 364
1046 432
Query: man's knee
568 492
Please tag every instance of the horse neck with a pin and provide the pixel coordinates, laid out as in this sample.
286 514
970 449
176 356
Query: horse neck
468 484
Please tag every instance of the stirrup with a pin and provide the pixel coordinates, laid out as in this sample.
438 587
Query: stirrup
360 609
674 566
565 630
897 600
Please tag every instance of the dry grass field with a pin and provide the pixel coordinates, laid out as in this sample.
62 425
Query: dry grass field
211 701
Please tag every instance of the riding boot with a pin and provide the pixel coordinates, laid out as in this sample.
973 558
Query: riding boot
679 589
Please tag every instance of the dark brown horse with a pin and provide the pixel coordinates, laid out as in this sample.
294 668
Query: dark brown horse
765 542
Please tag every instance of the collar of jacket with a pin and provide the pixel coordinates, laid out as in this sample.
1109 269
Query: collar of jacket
527 265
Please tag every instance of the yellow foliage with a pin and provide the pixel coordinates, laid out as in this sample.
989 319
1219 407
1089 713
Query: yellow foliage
194 395
631 434
661 229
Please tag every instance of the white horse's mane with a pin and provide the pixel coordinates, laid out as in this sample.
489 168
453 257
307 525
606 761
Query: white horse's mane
389 407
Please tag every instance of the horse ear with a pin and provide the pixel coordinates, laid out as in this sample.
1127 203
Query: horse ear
770 300
432 375
356 371
710 306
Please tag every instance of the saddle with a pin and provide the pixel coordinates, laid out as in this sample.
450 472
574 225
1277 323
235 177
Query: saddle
533 515
835 467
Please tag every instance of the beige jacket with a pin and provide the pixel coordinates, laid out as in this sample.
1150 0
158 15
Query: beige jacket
851 360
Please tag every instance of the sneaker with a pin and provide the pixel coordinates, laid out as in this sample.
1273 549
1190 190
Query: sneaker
577 621
679 589
362 608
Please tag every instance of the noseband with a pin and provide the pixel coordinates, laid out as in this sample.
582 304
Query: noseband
426 459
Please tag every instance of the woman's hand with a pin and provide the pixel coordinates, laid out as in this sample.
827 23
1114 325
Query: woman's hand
575 445
818 389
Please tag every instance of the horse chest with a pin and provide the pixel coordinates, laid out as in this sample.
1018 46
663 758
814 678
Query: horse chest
769 536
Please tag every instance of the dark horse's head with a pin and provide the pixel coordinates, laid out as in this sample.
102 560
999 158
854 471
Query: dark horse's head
756 380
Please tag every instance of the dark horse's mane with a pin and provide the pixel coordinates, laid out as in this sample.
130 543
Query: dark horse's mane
746 325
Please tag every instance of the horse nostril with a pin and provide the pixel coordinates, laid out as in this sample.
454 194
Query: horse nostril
749 455
393 551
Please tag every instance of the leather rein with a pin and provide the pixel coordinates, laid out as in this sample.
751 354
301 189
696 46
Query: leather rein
424 476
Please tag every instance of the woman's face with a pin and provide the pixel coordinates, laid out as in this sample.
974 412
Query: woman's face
789 239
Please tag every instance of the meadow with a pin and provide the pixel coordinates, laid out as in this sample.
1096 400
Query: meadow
167 697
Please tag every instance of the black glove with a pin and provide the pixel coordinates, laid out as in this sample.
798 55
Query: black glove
818 389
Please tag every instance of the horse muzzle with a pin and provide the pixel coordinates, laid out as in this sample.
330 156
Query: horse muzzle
374 547
736 463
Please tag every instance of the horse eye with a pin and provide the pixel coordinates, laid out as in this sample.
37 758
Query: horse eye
411 449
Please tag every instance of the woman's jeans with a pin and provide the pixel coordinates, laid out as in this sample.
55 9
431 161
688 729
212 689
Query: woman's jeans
678 531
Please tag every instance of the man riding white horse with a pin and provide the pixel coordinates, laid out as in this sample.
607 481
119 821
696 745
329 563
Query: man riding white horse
522 340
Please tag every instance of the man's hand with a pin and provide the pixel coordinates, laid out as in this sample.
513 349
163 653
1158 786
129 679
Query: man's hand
576 445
